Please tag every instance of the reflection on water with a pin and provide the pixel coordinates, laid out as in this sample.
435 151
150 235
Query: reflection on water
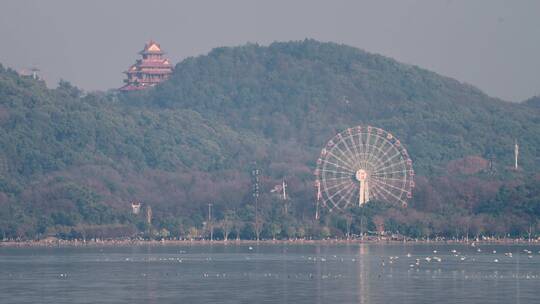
362 270
353 273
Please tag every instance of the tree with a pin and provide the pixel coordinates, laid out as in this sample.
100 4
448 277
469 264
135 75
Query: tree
227 224
275 229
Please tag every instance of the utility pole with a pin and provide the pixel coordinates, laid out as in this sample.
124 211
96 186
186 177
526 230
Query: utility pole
284 187
491 163
318 185
516 154
149 218
210 224
284 196
149 215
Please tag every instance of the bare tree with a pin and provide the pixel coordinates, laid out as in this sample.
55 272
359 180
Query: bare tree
349 219
258 225
227 224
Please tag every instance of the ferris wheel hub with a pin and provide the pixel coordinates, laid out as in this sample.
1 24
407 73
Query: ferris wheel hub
361 175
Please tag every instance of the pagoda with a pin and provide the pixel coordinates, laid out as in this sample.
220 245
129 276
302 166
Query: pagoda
148 71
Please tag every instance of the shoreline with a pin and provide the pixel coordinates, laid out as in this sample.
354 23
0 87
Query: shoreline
135 243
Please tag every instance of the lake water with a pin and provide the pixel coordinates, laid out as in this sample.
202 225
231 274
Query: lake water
355 273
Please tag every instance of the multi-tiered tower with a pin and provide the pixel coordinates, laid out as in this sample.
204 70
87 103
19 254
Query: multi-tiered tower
148 71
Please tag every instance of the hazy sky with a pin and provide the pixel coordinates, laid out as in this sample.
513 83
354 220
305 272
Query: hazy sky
494 45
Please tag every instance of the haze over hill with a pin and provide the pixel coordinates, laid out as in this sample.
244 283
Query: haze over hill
488 43
71 161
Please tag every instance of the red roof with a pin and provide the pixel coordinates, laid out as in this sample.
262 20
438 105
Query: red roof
155 71
154 64
147 47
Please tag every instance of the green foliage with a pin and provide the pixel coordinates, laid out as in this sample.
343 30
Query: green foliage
70 160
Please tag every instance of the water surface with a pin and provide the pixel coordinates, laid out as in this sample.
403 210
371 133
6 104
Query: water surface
355 273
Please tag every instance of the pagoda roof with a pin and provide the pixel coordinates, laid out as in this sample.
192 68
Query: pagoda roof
151 47
150 71
161 71
164 64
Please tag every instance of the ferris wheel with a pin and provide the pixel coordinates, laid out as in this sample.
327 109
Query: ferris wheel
361 164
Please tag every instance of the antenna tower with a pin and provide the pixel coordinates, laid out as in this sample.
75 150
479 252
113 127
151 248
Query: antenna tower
210 224
255 175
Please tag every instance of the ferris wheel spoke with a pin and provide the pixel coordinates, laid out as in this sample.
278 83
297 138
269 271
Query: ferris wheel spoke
352 195
336 172
377 158
380 194
351 184
356 160
391 186
384 179
389 159
392 172
401 162
390 192
368 150
372 158
338 178
373 190
375 146
350 162
339 159
337 185
333 181
356 152
362 144
385 189
397 182
337 166
351 190
389 163
385 153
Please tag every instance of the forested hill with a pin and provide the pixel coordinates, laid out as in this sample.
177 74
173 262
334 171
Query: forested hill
307 91
72 162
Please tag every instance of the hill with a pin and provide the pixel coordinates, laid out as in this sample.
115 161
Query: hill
533 102
72 162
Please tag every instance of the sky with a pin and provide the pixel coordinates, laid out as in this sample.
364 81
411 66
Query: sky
491 44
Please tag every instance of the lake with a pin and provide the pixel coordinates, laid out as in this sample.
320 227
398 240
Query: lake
284 273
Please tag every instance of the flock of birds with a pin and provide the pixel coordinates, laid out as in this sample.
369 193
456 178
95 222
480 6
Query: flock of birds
461 257
414 261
